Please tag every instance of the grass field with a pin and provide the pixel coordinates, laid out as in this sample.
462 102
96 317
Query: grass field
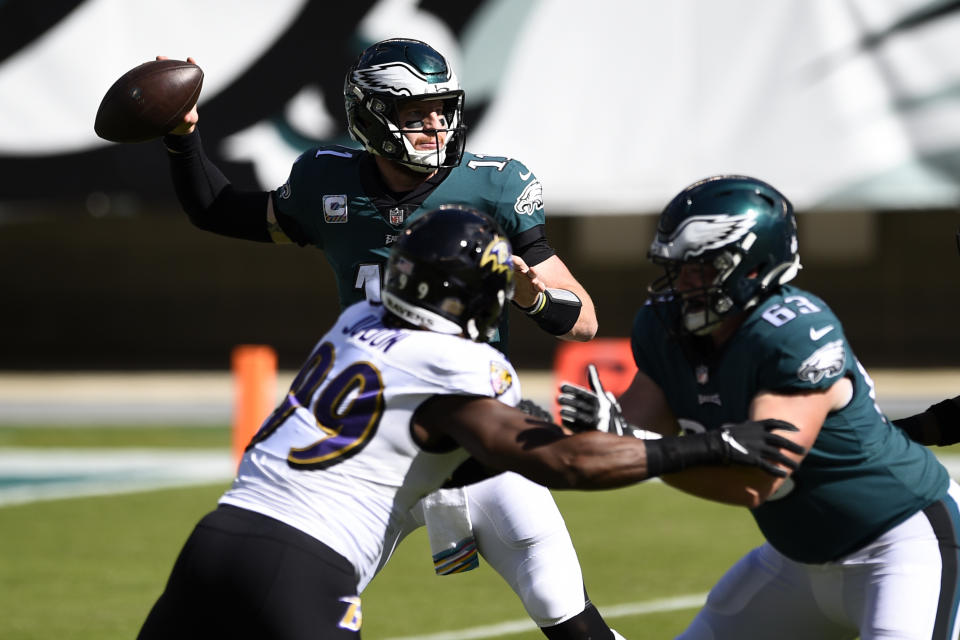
90 568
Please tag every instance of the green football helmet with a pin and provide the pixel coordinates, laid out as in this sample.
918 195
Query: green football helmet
739 233
391 72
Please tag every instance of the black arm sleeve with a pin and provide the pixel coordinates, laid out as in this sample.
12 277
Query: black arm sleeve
532 245
206 195
938 425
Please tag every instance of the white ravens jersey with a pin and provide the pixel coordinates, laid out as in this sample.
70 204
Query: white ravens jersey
337 459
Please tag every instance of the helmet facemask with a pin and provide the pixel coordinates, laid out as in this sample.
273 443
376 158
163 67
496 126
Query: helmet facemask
431 159
737 235
702 307
385 77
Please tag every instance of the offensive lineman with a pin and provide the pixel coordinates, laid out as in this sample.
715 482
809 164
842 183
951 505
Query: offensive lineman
404 104
376 419
863 538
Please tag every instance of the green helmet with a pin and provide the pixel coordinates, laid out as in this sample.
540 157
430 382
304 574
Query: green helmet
742 235
393 71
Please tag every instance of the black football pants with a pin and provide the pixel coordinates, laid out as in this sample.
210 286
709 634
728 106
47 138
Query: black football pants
244 575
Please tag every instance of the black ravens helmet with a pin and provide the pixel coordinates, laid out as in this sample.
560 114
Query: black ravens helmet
451 271
394 71
742 234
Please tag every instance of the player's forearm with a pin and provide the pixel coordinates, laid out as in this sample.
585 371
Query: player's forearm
207 196
586 326
564 309
583 463
738 486
598 460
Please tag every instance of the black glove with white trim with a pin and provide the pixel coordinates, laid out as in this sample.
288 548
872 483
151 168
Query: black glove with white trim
595 408
751 443
754 444
534 410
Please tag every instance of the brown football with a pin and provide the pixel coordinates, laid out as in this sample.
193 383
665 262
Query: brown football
148 101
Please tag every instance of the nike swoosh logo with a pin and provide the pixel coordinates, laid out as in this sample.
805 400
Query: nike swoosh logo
524 176
729 439
816 334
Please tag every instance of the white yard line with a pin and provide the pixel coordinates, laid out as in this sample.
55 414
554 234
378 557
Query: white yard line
32 474
509 627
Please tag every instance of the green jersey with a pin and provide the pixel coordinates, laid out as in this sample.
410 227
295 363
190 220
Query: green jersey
334 200
861 477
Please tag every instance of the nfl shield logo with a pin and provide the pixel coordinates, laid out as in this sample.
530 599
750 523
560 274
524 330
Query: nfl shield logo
702 374
396 216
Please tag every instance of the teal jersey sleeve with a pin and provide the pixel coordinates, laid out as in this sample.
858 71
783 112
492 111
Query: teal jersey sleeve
322 182
798 343
500 187
863 472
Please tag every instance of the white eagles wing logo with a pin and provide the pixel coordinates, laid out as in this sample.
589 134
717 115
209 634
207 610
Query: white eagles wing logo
827 361
699 234
393 77
530 200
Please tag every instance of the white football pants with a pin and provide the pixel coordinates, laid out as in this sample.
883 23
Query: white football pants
904 585
521 534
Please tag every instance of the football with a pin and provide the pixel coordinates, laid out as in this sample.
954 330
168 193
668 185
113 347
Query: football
148 101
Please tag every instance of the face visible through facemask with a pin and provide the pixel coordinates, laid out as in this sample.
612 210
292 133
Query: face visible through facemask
423 125
694 284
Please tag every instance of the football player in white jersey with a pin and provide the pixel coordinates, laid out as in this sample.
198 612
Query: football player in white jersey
404 105
390 401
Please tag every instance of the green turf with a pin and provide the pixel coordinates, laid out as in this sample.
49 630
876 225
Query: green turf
90 568
180 436
637 544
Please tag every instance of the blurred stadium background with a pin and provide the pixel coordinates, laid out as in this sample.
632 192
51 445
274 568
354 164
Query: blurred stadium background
117 313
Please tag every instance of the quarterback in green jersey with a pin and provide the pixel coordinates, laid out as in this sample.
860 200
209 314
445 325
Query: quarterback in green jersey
862 539
404 106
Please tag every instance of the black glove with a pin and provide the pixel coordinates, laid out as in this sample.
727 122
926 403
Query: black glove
588 409
595 408
531 408
754 444
750 443
938 425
